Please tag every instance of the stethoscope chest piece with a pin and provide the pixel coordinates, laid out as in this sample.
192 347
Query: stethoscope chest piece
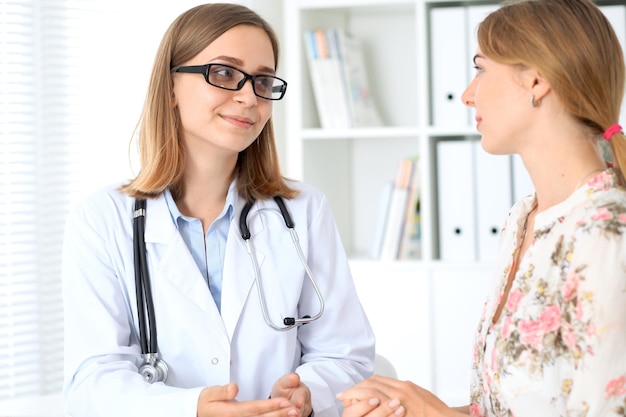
153 369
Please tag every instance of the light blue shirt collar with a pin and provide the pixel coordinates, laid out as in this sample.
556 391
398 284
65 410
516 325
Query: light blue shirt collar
177 215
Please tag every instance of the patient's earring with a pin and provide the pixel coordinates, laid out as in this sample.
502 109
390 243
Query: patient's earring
532 101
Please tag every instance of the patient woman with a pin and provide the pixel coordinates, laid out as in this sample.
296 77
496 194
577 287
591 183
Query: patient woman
551 340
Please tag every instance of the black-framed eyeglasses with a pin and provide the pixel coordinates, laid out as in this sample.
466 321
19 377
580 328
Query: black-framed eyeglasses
230 78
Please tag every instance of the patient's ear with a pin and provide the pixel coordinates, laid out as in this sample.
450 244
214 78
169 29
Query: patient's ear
538 85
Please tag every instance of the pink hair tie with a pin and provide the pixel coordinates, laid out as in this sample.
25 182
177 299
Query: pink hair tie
613 129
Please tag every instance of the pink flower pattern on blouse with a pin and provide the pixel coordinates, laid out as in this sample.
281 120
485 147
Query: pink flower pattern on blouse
559 346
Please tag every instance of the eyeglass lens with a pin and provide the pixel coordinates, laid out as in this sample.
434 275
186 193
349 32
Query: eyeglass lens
230 78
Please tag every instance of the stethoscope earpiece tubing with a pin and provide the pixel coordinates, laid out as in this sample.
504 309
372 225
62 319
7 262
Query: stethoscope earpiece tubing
283 209
137 249
243 226
149 343
288 322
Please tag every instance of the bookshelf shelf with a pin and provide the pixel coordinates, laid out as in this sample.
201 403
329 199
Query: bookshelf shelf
397 132
435 132
352 174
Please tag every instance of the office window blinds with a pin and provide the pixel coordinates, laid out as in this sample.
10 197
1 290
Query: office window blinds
68 107
36 135
55 56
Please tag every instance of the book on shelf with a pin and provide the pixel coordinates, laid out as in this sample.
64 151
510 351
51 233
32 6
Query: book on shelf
397 229
328 87
361 106
411 239
380 222
338 75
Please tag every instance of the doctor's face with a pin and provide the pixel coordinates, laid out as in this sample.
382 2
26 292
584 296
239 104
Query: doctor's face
502 104
220 120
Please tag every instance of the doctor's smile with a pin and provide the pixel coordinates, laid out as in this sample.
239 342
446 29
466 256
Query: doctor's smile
241 122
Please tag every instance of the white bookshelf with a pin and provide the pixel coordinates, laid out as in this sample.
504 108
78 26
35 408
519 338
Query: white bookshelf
351 165
346 163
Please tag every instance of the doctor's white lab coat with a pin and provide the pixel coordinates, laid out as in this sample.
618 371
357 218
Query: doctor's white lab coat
201 346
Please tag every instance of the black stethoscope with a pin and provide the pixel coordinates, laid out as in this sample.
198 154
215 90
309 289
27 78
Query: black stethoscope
155 369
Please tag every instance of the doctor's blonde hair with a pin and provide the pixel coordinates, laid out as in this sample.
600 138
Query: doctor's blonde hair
160 140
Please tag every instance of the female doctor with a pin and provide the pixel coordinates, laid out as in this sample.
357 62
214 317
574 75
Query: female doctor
266 326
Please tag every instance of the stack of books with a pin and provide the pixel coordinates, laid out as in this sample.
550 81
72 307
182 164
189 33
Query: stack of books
339 79
397 231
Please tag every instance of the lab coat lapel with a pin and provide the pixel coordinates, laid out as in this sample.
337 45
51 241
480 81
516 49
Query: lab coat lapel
173 261
238 274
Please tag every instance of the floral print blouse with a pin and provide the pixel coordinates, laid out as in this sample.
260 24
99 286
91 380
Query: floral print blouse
559 346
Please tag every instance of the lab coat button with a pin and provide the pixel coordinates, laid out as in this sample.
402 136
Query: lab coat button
214 361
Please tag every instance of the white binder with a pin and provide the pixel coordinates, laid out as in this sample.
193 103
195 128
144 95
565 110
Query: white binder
455 192
493 199
448 66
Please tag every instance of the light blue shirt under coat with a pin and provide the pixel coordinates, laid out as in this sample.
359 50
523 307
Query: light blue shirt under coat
208 251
